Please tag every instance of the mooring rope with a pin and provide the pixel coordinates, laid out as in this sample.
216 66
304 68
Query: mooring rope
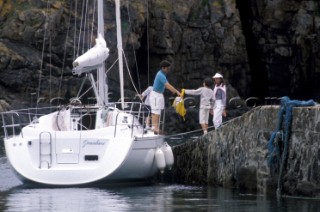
280 137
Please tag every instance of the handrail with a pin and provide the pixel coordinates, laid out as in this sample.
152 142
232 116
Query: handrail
135 114
12 124
14 121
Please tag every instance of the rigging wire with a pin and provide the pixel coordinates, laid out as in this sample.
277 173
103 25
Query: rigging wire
82 86
75 29
133 49
125 60
148 54
65 53
92 23
112 65
42 54
78 95
80 30
50 67
84 26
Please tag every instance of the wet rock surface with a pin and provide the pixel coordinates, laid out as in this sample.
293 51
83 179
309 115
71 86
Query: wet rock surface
236 155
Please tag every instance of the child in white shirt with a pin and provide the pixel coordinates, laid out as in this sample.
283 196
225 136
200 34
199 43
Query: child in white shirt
206 95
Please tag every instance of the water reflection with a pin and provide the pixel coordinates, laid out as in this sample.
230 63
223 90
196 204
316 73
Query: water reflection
155 197
71 199
142 198
7 178
146 198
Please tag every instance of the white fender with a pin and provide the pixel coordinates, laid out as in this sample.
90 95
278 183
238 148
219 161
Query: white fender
168 155
160 160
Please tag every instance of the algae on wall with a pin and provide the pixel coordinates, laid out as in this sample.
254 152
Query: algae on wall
236 155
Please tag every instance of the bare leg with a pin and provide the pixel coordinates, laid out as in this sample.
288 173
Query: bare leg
204 128
155 122
147 122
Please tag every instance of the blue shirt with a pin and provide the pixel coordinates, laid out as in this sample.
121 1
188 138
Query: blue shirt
159 82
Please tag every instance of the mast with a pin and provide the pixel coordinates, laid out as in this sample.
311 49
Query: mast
119 41
101 75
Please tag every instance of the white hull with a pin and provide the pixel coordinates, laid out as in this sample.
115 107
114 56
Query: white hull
80 144
43 154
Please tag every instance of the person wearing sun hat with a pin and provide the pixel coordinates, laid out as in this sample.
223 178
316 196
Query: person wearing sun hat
220 100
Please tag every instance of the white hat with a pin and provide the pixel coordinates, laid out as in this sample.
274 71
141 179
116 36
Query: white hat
217 75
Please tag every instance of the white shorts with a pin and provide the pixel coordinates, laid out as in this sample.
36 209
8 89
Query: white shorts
204 115
156 102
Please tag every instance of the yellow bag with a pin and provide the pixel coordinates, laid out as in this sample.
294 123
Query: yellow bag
178 104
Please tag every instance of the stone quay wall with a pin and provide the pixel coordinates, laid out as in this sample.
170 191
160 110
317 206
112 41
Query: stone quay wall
236 155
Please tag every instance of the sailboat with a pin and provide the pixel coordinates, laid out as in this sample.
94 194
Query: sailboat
79 144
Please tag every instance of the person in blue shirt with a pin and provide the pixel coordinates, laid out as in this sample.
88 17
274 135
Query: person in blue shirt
156 96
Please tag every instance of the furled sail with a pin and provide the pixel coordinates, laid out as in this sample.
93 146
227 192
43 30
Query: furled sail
93 58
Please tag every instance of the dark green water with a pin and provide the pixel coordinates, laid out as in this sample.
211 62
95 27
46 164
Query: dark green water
155 197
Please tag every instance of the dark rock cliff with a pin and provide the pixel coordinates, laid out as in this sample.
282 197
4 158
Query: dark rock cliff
263 48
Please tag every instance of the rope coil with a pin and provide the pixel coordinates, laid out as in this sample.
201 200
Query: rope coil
278 144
